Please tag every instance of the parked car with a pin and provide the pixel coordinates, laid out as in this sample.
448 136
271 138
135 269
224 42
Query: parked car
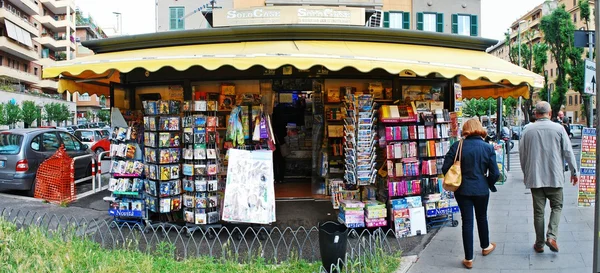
101 146
68 129
576 130
89 136
23 150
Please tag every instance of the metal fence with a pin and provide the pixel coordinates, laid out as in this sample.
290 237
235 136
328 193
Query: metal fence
273 245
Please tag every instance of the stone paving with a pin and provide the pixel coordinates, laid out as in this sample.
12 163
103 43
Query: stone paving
510 216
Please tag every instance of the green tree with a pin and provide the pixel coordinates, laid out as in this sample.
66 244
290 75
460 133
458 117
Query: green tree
30 112
3 120
479 107
577 71
50 112
11 113
63 114
104 115
559 35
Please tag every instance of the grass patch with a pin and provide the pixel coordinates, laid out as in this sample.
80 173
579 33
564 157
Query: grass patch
31 250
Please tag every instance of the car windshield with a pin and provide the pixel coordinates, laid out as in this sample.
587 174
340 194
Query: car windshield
85 136
10 144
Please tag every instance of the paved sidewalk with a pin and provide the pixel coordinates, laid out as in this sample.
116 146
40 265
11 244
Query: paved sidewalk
510 217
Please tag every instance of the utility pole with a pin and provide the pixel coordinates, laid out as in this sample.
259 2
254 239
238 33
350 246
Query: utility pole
591 58
596 261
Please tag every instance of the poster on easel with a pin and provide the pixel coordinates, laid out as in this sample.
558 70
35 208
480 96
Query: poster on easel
249 191
587 180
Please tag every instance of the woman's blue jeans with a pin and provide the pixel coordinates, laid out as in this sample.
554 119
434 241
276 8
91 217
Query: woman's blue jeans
467 205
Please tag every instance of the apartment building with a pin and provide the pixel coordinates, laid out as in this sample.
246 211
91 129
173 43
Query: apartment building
458 17
529 26
87 29
34 33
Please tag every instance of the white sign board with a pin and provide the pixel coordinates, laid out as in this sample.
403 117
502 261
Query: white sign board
589 86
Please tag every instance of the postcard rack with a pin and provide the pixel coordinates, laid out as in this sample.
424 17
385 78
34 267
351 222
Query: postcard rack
201 166
126 184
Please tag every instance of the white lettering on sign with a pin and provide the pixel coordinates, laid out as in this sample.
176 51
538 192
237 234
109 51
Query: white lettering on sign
326 13
256 13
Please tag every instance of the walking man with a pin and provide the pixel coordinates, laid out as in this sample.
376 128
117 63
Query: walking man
544 147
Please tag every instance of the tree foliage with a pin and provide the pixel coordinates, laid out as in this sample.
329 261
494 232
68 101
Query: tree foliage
30 112
559 35
577 74
479 107
57 112
104 115
10 113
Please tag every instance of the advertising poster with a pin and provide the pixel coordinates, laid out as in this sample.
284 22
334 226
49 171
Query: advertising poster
249 190
587 181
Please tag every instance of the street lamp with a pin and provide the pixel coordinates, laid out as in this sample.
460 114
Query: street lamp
119 20
520 22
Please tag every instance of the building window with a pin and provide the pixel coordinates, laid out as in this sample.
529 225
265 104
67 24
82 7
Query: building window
175 14
1 61
576 117
570 100
551 72
430 21
25 68
396 19
464 24
35 71
576 99
574 17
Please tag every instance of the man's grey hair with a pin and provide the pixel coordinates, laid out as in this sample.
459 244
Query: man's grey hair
542 108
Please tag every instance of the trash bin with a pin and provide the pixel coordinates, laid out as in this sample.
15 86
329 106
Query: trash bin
333 241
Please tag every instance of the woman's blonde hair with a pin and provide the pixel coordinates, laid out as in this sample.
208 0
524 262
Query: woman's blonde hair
473 127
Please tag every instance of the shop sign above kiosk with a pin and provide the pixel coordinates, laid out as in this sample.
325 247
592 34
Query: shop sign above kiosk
289 15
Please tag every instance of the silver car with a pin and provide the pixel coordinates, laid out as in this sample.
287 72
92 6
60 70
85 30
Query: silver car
23 150
576 130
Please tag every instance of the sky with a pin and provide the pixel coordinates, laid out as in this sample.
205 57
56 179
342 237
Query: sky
138 15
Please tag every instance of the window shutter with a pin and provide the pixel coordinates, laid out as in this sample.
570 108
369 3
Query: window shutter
180 15
440 22
419 21
172 20
406 20
454 23
386 19
474 26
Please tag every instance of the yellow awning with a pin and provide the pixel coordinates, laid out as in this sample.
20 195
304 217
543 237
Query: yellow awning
334 55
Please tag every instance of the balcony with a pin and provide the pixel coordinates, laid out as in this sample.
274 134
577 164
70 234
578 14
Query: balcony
59 6
28 6
19 21
48 84
55 24
89 24
57 43
16 49
22 76
85 100
347 3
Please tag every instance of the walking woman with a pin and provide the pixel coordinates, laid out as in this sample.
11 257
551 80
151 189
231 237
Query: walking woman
479 174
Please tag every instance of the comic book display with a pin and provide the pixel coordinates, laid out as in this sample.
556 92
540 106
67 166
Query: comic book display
162 156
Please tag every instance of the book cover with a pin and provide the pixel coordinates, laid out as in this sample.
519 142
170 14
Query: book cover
187 106
165 205
137 205
200 169
200 105
188 200
212 169
129 167
130 151
165 189
165 173
212 105
226 102
200 151
188 185
138 168
211 153
200 219
189 216
176 203
112 184
152 124
137 184
174 171
201 185
212 217
188 135
164 140
201 201
188 170
212 185
200 121
188 153
174 107
211 121
163 107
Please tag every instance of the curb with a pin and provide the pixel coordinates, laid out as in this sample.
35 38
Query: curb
19 197
406 263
